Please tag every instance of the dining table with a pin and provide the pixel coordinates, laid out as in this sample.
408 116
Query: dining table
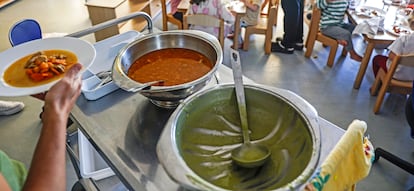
236 7
124 127
390 13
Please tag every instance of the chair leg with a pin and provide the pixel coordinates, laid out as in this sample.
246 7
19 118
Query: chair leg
375 86
332 54
379 152
268 41
246 40
380 98
310 42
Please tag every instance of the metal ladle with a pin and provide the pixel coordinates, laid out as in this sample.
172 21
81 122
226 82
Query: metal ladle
248 155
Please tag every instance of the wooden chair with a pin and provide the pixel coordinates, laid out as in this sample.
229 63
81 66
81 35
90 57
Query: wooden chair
207 21
387 83
264 26
315 35
269 4
168 17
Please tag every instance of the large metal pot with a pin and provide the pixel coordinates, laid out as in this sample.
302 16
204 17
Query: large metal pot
167 96
195 145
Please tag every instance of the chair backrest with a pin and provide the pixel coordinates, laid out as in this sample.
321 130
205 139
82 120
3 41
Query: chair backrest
315 19
404 60
207 21
24 31
387 83
167 17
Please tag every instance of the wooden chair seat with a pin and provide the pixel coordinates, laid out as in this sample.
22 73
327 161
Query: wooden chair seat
264 26
385 82
315 35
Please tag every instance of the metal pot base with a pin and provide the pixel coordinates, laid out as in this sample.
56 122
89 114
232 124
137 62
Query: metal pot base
166 104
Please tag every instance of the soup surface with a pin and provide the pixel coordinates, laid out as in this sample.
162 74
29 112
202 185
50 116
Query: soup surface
210 129
172 65
39 68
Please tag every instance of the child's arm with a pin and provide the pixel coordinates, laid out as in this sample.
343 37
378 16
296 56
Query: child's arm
249 4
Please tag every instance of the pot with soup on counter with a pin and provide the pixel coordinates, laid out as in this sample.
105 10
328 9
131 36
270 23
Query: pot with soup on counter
196 143
168 66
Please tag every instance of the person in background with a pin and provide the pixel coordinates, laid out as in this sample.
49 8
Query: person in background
403 45
292 26
214 8
250 18
174 7
47 170
332 24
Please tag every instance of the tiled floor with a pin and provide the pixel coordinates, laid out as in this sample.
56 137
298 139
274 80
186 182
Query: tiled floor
329 90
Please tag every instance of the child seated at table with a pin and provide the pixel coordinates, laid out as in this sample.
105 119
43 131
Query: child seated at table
403 45
215 8
250 18
174 10
332 24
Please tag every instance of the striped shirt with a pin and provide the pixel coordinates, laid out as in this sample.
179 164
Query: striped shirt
332 13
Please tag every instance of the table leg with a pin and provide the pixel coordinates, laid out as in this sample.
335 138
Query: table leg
236 32
364 65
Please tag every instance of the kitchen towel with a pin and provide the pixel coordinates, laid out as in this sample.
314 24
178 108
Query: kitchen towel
349 162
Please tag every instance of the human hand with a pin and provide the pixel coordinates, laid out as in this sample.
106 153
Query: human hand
61 97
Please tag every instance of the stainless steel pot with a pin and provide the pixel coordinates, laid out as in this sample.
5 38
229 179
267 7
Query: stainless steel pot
167 96
195 146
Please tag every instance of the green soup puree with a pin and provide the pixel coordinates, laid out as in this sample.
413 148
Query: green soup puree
209 130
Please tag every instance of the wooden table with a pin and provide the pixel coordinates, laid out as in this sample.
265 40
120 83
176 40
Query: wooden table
381 38
236 7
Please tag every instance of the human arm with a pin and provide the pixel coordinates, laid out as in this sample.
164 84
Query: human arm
321 4
250 5
47 170
4 186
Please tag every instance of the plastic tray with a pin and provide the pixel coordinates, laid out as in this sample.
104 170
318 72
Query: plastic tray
108 49
91 163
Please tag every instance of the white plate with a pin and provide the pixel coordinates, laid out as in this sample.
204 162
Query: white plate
391 30
370 12
82 49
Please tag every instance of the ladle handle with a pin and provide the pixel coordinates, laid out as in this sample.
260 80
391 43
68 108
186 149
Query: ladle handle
238 83
144 86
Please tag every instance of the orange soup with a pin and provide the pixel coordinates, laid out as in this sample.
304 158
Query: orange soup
172 65
20 74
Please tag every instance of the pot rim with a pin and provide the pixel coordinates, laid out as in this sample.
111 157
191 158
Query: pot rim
206 37
168 153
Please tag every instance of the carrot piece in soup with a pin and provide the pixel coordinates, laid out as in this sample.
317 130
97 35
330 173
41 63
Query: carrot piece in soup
36 76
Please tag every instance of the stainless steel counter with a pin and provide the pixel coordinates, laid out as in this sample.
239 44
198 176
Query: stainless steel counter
124 128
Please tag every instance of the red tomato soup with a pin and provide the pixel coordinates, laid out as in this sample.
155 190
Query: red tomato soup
172 65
